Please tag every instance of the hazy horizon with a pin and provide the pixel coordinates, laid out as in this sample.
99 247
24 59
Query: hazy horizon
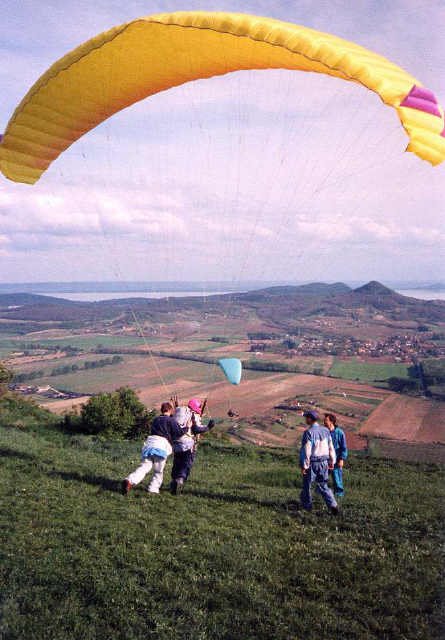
109 285
108 291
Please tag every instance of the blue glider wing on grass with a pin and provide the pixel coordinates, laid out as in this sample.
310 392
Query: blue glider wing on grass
232 368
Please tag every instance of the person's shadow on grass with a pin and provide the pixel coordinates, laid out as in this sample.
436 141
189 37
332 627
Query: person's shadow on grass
278 505
108 484
12 453
97 481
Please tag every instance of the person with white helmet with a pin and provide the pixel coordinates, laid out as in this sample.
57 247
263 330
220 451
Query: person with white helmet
184 448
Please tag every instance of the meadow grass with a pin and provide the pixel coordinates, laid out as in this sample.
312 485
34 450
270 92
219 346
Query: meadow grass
367 371
231 558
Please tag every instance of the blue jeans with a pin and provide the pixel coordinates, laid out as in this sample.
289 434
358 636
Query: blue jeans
318 472
337 480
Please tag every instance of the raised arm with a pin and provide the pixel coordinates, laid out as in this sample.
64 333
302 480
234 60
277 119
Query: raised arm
201 428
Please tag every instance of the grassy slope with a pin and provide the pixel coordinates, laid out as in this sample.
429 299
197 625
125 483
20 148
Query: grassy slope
228 559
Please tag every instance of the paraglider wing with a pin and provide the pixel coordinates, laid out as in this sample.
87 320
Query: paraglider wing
232 368
148 55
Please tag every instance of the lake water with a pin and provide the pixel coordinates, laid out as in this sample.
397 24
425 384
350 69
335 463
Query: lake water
422 294
94 296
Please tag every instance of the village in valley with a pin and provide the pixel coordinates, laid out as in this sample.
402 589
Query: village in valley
395 348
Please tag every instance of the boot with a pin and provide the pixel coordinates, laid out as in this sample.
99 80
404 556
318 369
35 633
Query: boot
126 487
179 485
176 486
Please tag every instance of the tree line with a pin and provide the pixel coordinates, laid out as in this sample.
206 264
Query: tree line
67 368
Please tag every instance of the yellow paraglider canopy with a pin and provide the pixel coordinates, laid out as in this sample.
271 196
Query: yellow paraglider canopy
138 59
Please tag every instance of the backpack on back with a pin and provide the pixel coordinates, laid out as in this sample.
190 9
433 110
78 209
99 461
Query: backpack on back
183 416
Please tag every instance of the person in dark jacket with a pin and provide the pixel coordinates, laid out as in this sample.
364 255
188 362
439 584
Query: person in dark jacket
184 448
155 451
341 451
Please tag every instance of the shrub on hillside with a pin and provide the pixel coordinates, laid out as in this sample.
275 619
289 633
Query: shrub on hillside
119 414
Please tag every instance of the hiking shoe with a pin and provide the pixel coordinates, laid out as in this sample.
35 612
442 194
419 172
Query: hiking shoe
335 511
126 487
179 486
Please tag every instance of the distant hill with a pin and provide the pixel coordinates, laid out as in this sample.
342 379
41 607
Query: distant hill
21 299
374 288
312 289
281 305
375 297
368 300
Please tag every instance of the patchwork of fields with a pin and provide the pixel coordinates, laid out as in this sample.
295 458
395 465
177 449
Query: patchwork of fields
405 418
354 389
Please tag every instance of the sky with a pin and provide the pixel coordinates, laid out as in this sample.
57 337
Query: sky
264 175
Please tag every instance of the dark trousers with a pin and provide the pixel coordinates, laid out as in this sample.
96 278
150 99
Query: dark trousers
182 464
318 473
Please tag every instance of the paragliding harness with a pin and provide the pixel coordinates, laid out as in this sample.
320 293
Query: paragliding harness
186 418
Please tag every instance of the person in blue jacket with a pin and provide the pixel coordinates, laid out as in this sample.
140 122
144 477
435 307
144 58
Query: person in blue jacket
317 456
341 451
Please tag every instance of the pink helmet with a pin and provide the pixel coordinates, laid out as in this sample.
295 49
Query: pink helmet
195 405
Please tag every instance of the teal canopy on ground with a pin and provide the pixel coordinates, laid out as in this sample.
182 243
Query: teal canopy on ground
232 368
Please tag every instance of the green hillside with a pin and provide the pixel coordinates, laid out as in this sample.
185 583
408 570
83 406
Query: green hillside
231 558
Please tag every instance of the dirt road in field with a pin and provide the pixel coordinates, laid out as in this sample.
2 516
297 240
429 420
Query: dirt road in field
405 418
